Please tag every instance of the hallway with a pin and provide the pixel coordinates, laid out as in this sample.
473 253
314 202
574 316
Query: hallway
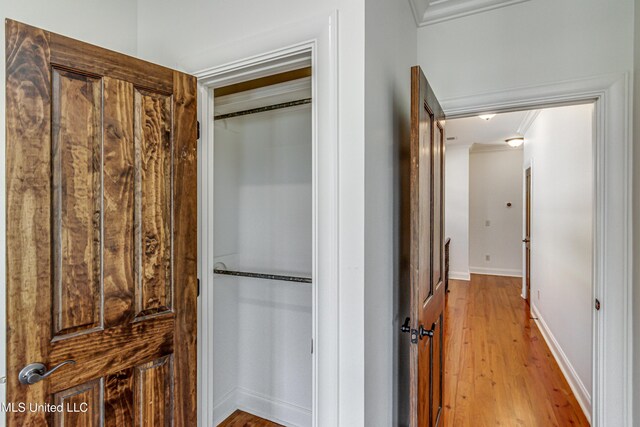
499 370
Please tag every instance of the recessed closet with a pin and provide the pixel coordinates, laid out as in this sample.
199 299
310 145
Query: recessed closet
263 248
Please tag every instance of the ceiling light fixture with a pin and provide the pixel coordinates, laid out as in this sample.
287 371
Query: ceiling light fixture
487 117
515 142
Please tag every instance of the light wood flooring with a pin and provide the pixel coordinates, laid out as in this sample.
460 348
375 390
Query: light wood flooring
243 419
499 370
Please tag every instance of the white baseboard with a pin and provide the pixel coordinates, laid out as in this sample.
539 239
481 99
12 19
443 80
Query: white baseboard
496 271
224 407
280 412
577 386
459 275
266 407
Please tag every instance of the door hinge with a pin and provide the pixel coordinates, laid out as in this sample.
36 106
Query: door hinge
597 304
198 129
198 281
311 345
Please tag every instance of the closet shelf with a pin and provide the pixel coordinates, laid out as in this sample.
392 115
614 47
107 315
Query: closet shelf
267 276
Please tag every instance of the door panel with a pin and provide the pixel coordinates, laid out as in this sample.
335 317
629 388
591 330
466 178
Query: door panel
76 398
101 233
76 168
152 130
426 254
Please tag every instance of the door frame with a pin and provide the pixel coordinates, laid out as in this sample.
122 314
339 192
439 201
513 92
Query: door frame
611 399
316 38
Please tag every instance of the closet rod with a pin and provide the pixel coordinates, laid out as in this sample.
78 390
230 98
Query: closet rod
263 276
263 109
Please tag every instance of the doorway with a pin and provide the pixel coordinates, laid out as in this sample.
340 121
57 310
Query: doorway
556 283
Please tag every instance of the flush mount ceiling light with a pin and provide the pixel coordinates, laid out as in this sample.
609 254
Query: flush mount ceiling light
515 142
486 117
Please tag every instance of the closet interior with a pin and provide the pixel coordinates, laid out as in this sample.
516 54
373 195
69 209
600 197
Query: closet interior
263 248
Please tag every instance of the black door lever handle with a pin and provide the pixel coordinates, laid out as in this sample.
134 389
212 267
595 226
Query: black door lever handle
427 332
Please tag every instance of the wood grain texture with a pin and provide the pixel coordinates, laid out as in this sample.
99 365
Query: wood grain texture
119 399
28 139
97 157
74 54
185 241
244 419
109 351
118 202
154 393
153 215
73 401
426 246
499 370
77 192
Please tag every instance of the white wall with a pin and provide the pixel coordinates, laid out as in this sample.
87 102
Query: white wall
457 209
559 144
263 223
109 24
535 42
390 53
495 178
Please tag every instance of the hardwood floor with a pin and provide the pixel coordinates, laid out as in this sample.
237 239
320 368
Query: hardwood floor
499 370
243 419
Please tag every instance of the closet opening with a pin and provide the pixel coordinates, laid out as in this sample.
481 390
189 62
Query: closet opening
263 248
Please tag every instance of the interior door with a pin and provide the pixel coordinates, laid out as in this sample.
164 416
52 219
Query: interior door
426 253
101 235
527 238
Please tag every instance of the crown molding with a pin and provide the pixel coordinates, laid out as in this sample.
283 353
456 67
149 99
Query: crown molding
428 12
527 121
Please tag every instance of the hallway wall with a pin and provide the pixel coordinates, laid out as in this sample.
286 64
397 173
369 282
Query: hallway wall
559 145
495 230
457 209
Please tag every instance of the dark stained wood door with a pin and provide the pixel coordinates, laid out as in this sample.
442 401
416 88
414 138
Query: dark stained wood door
101 233
426 253
527 237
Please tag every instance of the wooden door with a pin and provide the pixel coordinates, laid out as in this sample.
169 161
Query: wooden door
426 253
101 234
527 237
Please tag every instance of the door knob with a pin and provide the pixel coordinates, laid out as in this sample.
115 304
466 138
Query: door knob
34 372
427 332
525 240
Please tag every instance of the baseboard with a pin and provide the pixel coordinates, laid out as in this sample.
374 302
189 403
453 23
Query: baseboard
225 407
457 275
577 386
272 409
496 271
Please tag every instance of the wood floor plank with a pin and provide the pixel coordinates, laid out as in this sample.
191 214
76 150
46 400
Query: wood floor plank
244 419
499 370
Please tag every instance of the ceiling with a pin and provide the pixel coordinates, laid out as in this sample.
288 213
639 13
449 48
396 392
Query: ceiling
492 133
432 11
